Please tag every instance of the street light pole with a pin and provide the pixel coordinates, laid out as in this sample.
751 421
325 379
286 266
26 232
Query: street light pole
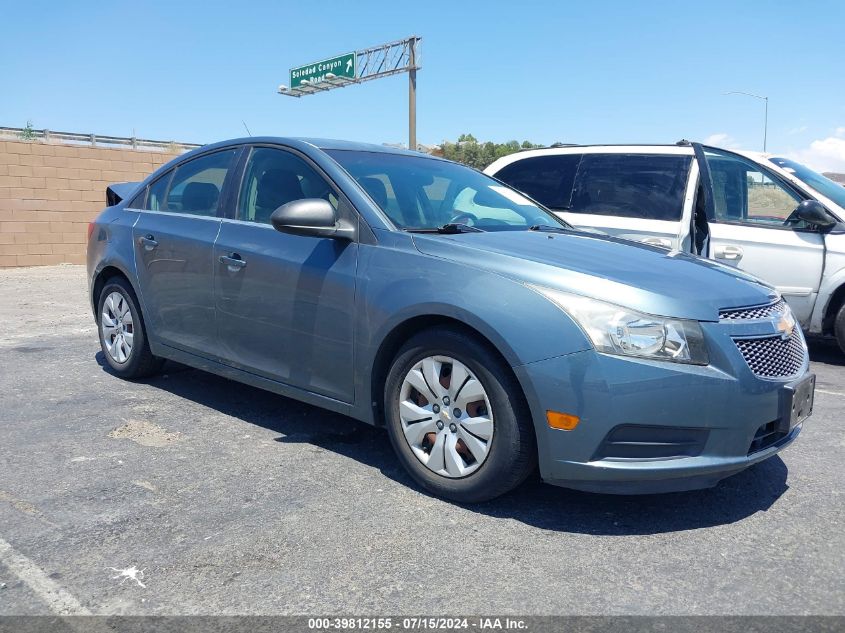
765 122
765 111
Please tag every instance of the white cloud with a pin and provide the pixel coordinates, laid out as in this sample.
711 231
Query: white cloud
797 130
827 154
721 139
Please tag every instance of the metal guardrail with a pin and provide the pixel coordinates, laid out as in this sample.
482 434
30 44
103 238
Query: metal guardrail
94 140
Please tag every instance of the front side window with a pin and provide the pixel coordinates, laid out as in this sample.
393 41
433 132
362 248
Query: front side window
421 193
274 177
743 192
644 186
197 184
547 179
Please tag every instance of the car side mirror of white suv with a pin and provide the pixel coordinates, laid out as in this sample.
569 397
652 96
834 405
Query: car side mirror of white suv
812 212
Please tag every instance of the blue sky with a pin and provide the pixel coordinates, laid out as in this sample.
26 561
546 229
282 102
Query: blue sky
585 72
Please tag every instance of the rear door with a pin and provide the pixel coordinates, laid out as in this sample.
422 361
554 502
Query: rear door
173 239
749 230
285 302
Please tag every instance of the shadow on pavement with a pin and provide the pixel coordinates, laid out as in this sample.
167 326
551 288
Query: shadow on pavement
826 351
533 503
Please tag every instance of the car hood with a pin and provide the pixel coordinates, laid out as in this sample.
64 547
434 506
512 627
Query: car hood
630 274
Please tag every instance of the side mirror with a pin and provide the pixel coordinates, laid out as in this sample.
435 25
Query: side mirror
812 212
311 216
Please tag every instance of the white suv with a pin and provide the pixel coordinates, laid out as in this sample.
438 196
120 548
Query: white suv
751 211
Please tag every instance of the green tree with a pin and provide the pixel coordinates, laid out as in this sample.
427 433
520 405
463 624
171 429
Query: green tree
469 151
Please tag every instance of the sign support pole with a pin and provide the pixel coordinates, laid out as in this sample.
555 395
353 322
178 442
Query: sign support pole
412 96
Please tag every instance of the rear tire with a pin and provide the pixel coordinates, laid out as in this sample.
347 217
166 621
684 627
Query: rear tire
500 448
839 327
123 338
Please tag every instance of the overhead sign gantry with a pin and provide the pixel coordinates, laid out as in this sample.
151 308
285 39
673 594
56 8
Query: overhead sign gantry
360 66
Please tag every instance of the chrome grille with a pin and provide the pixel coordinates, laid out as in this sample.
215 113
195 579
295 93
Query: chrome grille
773 357
759 312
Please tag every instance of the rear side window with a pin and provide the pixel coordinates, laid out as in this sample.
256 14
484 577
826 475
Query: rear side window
197 184
631 185
138 201
151 198
547 179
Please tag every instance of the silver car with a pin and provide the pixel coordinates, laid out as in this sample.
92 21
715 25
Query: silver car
485 333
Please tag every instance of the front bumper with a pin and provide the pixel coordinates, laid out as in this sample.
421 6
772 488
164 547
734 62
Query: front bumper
709 415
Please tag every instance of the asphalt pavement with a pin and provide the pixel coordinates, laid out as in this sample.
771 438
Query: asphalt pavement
191 494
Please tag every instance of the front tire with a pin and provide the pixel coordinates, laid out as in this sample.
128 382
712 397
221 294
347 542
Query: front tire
839 327
123 338
456 417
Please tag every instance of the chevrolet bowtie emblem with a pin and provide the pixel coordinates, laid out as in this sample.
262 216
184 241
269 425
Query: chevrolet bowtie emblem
786 325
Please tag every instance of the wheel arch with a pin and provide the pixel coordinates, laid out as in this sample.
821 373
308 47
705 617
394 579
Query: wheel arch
402 332
109 271
837 299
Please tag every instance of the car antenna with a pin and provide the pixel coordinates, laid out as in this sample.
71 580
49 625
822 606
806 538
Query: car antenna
246 128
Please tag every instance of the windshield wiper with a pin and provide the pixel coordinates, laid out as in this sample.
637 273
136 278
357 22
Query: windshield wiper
548 228
450 228
457 227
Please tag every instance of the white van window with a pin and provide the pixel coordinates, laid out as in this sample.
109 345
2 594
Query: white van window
547 179
743 192
644 186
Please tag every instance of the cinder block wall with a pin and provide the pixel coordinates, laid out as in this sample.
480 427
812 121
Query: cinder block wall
49 193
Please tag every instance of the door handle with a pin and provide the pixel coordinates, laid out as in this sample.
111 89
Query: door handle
233 261
148 242
658 241
728 252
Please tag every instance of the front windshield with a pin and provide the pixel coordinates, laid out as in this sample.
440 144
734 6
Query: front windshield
421 193
824 185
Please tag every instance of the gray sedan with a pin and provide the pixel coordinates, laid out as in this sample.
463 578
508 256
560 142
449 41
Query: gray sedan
487 335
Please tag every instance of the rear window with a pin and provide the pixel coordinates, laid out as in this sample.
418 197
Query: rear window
631 185
547 179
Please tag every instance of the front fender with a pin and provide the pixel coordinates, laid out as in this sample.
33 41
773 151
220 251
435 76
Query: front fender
833 279
396 284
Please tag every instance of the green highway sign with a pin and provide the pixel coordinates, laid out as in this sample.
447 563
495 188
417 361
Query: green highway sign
340 66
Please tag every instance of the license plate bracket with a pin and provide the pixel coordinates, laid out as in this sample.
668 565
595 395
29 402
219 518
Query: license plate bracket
796 402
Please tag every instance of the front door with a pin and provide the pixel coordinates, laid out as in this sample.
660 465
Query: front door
752 230
174 238
285 302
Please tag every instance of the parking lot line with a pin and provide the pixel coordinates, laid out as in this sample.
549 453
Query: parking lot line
830 393
57 598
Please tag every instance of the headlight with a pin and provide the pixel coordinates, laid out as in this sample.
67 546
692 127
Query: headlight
617 330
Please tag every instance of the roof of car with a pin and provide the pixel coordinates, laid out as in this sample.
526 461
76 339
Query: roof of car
329 143
319 143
